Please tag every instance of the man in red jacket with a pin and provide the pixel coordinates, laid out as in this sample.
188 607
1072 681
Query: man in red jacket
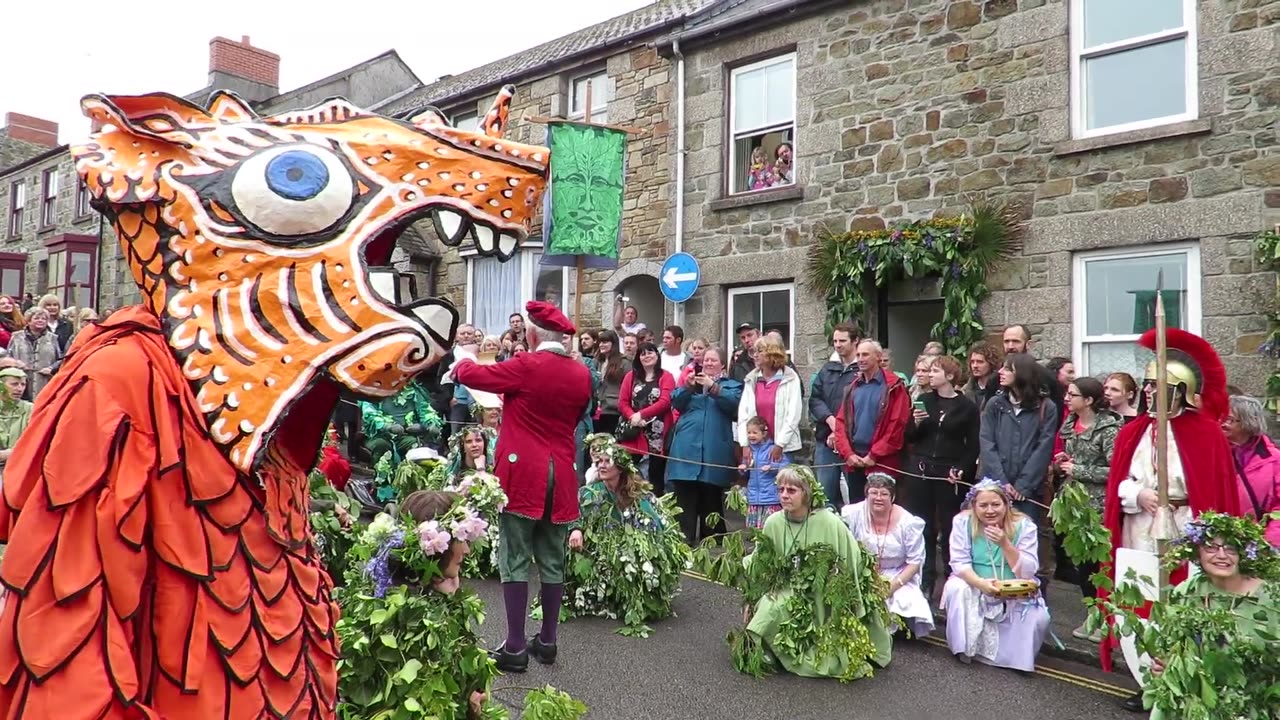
1201 470
872 421
545 393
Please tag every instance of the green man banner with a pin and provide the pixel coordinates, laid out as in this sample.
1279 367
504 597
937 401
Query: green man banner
582 217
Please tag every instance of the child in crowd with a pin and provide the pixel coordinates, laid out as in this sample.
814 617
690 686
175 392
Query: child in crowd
762 492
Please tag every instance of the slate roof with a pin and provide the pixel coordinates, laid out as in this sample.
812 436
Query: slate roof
656 16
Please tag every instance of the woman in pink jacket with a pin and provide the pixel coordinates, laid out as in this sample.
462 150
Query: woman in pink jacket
1257 461
644 413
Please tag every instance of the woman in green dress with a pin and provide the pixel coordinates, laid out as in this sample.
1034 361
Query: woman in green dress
15 412
1238 574
807 562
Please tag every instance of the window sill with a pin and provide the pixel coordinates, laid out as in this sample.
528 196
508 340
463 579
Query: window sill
759 197
1160 132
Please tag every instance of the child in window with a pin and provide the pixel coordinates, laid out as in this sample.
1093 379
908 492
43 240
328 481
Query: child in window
762 491
762 174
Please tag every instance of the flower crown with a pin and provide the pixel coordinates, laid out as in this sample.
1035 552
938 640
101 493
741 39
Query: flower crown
455 439
886 477
817 496
986 485
606 444
1257 557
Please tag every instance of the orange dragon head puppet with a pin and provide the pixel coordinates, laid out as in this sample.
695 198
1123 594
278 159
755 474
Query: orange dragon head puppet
264 243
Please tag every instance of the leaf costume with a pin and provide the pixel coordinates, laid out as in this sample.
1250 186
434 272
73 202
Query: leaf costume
794 617
159 560
386 422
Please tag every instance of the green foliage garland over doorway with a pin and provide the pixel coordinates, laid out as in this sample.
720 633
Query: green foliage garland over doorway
963 251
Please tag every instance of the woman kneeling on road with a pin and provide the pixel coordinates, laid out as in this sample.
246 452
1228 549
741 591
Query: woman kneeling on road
806 563
994 610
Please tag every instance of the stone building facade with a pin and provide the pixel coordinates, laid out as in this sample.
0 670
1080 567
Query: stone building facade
52 241
904 109
631 86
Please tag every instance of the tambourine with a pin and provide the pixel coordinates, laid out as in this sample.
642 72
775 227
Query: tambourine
1016 589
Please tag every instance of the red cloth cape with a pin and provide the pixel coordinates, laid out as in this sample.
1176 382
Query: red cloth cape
1210 475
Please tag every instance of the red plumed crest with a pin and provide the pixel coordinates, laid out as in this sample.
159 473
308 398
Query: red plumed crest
1208 365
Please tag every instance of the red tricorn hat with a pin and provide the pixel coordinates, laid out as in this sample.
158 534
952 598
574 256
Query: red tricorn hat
548 316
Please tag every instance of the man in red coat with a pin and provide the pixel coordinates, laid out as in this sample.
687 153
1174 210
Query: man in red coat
545 393
1201 471
872 421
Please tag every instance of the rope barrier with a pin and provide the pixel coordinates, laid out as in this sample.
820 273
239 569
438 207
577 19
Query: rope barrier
889 469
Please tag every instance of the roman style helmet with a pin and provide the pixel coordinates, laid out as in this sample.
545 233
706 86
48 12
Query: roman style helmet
1194 368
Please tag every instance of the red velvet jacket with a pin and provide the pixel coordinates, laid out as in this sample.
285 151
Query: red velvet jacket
891 426
1210 476
660 409
544 395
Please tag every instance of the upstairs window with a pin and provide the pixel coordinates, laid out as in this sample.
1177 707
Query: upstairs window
762 123
82 199
1133 64
17 201
599 84
467 121
49 201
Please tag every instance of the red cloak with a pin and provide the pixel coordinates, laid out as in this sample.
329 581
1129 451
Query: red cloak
1210 476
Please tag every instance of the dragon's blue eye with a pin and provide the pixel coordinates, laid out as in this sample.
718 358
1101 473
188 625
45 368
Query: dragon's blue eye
297 175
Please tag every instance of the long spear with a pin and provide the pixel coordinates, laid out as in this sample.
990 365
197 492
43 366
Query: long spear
1163 529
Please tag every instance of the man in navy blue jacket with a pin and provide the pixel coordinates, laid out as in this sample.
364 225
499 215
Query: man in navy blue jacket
829 385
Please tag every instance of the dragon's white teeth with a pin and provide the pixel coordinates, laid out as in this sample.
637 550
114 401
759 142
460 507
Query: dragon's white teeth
507 244
450 224
437 317
485 239
384 285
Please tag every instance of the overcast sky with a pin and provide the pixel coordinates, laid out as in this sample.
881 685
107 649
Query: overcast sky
54 51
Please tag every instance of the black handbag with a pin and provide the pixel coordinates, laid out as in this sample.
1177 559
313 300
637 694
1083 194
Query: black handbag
626 432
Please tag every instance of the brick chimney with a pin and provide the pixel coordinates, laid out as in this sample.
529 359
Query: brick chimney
251 72
31 129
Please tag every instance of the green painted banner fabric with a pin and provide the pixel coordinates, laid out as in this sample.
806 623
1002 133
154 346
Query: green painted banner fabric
583 216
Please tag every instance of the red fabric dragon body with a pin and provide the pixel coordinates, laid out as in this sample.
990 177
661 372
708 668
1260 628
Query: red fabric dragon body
159 562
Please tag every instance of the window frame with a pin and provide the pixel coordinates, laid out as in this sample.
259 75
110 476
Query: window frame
49 198
453 118
66 246
731 132
17 206
528 278
82 209
15 261
731 323
579 114
1080 54
1080 339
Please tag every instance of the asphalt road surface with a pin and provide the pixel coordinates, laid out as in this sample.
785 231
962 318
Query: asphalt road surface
683 672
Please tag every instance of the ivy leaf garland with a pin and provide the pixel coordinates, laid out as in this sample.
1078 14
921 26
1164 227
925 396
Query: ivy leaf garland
1268 256
962 251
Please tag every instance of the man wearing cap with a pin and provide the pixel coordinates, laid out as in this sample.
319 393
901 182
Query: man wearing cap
743 360
545 393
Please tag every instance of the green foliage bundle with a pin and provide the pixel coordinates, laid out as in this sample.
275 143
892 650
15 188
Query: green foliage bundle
408 652
852 598
332 540
629 568
1221 652
962 251
1077 520
1268 256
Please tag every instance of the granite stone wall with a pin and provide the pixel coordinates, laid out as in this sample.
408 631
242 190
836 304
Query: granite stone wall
909 108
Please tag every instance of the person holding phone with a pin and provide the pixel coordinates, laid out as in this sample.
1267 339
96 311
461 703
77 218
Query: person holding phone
942 440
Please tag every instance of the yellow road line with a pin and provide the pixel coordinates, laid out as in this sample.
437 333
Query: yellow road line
1052 673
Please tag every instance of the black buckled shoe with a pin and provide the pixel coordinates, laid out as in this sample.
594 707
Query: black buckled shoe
509 662
543 653
1134 704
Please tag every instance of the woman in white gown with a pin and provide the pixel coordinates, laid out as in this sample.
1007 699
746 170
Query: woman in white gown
896 537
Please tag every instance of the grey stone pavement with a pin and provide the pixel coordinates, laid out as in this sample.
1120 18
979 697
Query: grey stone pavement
683 671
